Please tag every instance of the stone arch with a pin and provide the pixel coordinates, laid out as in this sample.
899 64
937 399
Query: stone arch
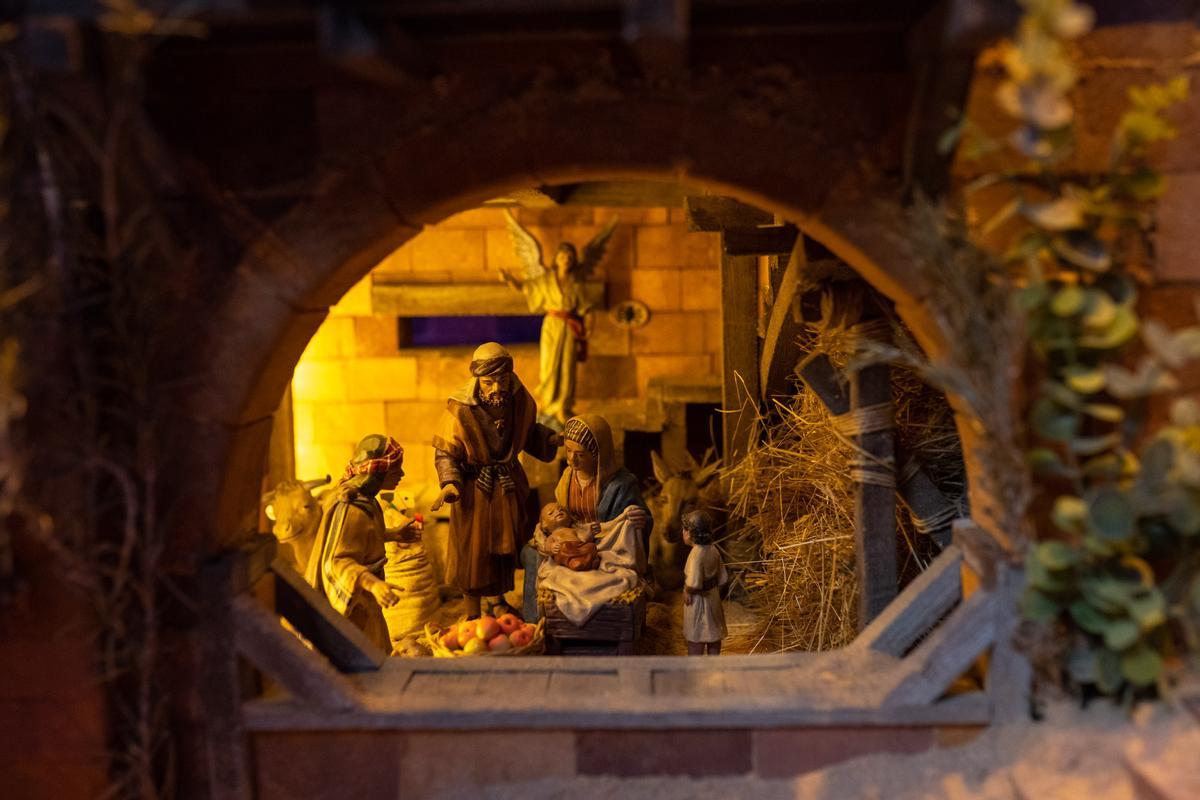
280 291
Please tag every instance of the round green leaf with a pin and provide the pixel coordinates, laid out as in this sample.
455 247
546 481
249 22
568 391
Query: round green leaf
1108 595
1082 249
1056 556
1039 607
1068 301
1085 380
1149 610
1141 665
1087 617
1043 579
1110 515
1070 513
1105 412
1120 634
1044 461
1052 421
1120 330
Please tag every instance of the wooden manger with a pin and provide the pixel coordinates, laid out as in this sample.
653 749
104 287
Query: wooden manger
613 631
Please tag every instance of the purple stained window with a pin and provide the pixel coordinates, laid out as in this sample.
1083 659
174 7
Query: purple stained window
450 331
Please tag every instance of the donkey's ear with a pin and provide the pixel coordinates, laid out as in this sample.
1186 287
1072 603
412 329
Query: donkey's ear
706 473
661 471
689 463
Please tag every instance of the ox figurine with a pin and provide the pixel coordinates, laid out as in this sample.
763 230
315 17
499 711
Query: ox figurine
682 491
296 514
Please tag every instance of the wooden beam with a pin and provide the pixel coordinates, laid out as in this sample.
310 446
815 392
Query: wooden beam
917 489
632 194
305 674
926 673
409 299
347 647
918 608
226 750
944 46
827 382
769 240
1009 673
923 499
875 504
715 213
780 350
657 33
739 324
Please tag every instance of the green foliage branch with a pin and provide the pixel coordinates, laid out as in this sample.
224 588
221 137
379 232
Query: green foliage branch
1118 569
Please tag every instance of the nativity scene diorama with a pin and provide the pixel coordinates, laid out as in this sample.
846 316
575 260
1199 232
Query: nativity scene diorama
599 512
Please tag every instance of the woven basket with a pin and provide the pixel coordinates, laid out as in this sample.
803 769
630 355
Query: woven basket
433 640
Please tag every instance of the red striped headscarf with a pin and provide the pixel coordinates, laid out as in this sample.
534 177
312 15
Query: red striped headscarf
375 454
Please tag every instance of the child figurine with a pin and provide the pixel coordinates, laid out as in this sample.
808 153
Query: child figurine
703 577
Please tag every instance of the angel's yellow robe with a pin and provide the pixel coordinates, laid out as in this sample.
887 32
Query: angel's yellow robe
564 304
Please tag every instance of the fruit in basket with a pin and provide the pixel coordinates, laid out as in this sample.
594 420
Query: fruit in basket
475 646
522 636
529 626
487 628
499 643
466 631
450 640
508 622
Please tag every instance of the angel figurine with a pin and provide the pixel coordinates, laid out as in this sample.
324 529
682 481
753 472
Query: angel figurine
559 294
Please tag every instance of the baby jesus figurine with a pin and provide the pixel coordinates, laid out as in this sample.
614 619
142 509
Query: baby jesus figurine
565 542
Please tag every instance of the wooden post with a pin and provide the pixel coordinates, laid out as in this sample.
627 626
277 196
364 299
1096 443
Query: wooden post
226 747
875 503
739 323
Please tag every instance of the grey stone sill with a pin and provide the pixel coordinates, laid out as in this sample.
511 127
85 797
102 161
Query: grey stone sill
791 690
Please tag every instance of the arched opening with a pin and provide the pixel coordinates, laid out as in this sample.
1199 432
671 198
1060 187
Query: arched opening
377 364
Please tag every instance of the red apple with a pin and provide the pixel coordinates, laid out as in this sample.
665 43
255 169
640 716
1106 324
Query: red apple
487 628
508 622
466 631
520 638
528 626
499 644
450 640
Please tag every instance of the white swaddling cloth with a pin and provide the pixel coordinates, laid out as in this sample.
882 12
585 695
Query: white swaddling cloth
579 595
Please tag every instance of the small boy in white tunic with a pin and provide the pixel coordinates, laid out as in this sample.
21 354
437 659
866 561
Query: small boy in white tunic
703 577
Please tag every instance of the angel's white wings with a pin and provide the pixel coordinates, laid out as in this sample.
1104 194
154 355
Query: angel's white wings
594 251
529 252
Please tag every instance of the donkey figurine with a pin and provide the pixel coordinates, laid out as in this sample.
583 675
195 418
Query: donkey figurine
296 514
681 491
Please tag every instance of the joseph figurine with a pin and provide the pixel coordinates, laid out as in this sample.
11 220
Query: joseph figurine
486 425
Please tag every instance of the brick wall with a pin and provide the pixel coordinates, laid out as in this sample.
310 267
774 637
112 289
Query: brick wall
387 764
354 379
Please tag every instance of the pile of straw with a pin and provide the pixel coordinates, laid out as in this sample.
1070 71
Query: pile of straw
793 491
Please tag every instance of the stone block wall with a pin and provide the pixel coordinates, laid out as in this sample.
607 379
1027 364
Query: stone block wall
354 378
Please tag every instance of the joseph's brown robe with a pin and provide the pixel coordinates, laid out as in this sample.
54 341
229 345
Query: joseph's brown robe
471 451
